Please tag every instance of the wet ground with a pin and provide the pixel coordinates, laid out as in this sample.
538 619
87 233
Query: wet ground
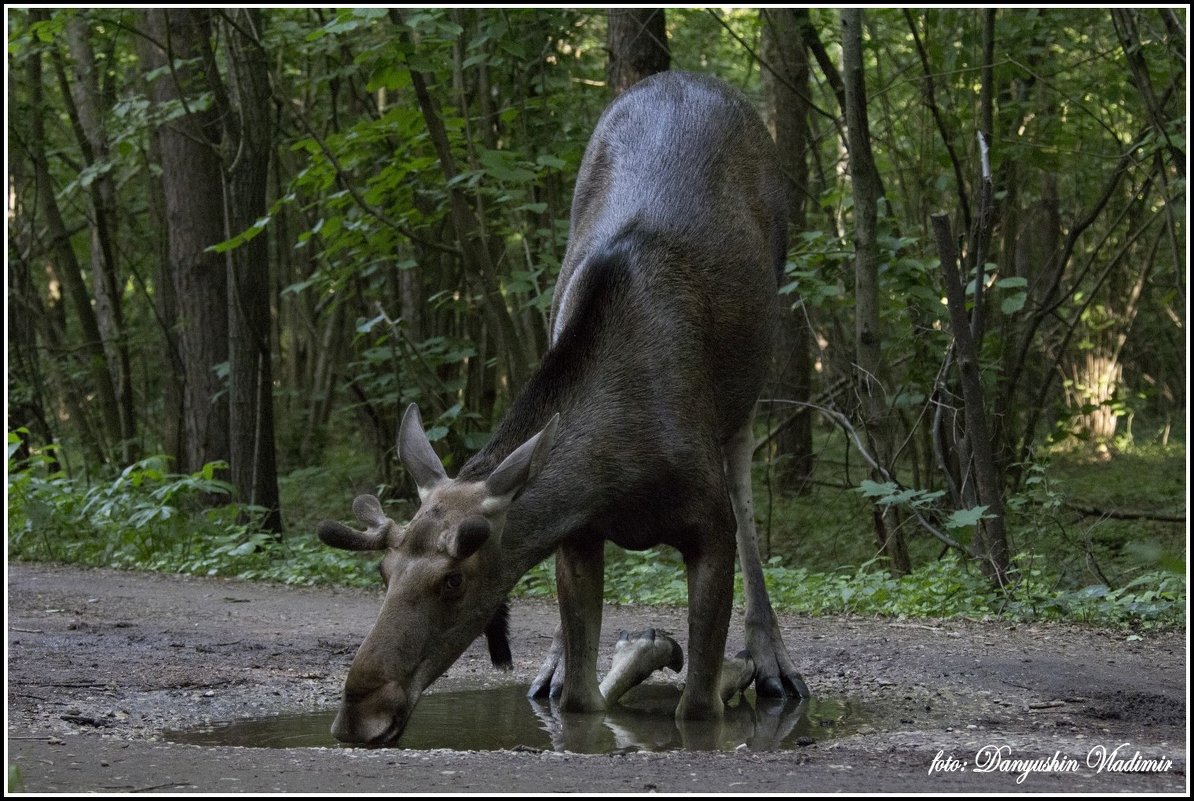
101 664
503 719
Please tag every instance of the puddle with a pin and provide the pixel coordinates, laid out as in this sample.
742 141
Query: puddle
504 718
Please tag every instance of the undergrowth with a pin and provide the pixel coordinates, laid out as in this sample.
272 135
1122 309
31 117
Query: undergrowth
147 518
947 588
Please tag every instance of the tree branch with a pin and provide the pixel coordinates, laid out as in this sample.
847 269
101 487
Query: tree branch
1125 27
946 137
355 194
777 74
844 423
813 42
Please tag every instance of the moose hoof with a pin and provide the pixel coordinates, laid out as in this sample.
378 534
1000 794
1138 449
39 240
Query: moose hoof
775 675
736 675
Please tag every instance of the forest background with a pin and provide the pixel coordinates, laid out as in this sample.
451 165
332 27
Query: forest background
241 241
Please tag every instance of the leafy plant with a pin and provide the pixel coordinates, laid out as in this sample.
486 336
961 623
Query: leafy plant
146 518
947 588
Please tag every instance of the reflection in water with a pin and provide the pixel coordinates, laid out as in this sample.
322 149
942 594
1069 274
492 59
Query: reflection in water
503 718
645 721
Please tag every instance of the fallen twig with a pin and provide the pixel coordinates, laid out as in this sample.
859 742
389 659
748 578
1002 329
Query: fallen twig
1119 514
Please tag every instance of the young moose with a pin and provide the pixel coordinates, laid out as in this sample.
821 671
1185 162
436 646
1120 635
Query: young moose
636 428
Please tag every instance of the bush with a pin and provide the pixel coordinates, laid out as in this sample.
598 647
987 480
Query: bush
149 519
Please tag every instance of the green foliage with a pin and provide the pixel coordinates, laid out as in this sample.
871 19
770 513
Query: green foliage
16 782
1154 599
654 576
377 307
1144 478
149 519
947 588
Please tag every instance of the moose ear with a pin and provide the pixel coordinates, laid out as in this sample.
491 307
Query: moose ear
520 468
417 455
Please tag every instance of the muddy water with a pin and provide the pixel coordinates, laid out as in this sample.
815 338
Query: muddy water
504 718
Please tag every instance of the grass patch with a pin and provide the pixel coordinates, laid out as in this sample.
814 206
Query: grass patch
1146 479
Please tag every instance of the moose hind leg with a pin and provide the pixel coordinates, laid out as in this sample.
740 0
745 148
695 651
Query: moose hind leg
580 565
550 679
775 675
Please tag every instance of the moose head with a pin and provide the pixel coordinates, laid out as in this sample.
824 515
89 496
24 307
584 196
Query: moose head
445 575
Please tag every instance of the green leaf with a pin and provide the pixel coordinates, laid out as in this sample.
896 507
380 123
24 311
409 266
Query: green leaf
1013 303
244 549
964 518
14 443
391 76
241 238
505 166
873 489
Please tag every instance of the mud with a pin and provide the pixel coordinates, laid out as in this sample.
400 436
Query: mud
101 663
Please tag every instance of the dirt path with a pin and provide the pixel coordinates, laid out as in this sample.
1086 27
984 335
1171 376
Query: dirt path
99 662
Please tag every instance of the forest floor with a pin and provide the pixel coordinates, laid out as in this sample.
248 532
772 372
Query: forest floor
100 662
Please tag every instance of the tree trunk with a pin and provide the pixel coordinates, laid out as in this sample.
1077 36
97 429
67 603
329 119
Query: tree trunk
27 404
786 87
172 425
637 44
991 545
191 183
864 182
469 233
105 278
66 268
244 103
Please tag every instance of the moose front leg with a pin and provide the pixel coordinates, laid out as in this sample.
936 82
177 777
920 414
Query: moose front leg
710 596
775 675
580 566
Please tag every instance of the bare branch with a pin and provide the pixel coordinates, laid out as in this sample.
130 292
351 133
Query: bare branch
946 137
844 423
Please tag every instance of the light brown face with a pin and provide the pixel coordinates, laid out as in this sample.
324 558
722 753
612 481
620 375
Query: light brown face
443 577
443 583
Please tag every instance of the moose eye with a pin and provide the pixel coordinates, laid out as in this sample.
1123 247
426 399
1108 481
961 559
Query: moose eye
453 583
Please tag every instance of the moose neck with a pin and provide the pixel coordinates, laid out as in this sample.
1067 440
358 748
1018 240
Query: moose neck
574 379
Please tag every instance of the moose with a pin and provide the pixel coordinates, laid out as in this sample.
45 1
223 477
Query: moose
635 428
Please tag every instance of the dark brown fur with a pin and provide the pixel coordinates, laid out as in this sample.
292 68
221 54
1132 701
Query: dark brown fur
661 334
